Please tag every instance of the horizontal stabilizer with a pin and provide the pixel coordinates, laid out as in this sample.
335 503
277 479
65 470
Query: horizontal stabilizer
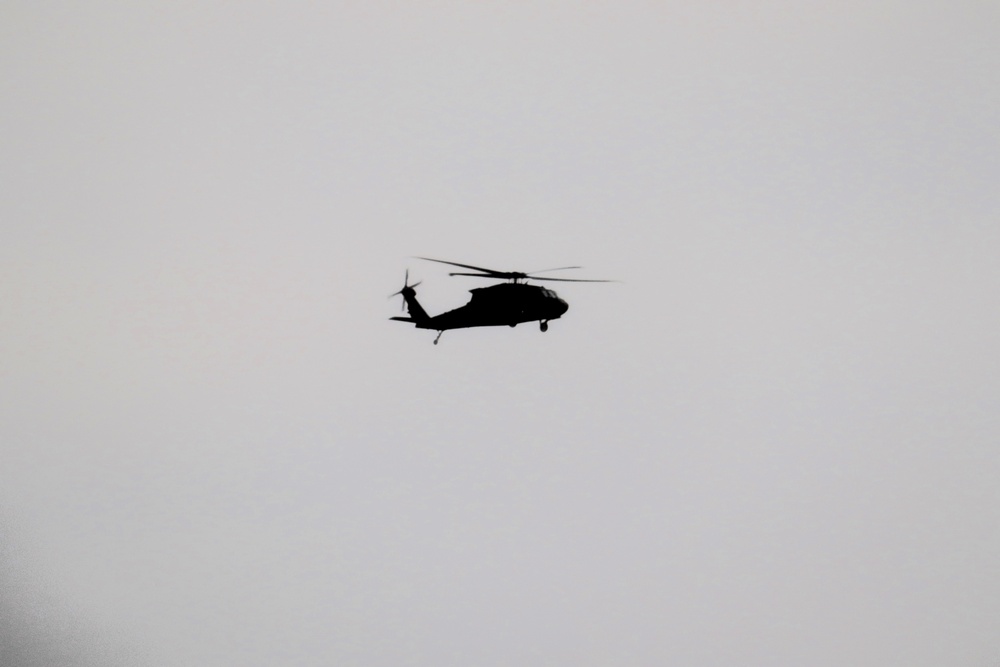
403 319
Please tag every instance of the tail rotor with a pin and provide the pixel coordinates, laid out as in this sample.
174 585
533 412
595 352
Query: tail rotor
406 291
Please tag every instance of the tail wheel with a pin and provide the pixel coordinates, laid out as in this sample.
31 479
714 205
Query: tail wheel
544 326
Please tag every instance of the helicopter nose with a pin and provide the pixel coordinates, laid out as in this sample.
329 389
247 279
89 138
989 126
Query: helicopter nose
563 306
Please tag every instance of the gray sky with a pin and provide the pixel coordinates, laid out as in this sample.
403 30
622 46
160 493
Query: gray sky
774 443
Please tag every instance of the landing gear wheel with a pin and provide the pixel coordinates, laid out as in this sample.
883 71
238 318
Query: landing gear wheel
544 326
438 337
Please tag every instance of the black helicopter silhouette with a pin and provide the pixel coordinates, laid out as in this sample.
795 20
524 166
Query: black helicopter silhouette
504 304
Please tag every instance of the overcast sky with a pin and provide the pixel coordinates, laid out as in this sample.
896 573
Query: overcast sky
774 442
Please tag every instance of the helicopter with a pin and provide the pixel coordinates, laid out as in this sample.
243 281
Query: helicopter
508 303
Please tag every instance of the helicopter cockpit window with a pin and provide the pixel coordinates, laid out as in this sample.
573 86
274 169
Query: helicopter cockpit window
549 293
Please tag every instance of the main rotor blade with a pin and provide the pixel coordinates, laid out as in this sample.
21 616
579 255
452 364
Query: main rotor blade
561 268
512 275
478 275
574 280
465 266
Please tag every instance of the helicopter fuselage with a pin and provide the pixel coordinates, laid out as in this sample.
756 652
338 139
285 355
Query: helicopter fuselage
504 304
